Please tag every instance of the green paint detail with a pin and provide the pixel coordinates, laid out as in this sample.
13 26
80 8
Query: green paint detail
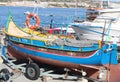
9 19
108 38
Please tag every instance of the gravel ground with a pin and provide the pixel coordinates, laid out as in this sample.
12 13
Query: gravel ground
19 77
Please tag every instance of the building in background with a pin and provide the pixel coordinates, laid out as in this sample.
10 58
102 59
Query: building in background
61 3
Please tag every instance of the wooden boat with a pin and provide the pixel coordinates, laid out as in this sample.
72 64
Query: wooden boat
52 49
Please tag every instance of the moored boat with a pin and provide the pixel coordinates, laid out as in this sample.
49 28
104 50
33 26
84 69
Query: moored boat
108 19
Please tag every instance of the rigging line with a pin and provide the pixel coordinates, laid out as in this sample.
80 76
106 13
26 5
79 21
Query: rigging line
83 28
109 26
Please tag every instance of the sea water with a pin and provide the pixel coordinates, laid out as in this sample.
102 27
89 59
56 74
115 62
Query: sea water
60 16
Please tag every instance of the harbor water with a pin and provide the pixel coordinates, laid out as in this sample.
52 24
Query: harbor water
59 15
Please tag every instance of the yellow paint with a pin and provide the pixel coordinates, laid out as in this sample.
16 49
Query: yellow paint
100 43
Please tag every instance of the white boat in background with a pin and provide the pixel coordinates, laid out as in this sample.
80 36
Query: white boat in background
96 27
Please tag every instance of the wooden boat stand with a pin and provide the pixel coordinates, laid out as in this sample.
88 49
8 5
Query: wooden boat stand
46 75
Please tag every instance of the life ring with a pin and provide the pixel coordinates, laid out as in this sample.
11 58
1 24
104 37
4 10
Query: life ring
33 27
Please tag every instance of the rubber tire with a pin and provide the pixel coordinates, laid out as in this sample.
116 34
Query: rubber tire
35 69
6 72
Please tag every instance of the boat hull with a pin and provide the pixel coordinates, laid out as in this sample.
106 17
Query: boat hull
23 56
23 52
92 70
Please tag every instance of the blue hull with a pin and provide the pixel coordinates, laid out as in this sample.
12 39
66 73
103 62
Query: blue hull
106 55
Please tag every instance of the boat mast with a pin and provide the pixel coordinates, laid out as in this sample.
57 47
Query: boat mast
108 2
37 3
76 7
101 3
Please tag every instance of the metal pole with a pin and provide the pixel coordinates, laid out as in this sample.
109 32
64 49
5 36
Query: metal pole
76 6
101 3
108 2
103 33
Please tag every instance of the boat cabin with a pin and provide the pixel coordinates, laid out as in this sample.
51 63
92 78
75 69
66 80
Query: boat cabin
60 30
91 14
